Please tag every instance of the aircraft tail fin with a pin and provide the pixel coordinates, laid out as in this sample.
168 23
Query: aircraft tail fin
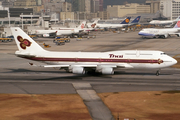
177 24
136 20
93 25
126 21
178 18
24 42
82 25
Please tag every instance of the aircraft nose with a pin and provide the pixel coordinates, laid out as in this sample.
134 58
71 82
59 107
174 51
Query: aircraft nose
174 61
170 61
140 33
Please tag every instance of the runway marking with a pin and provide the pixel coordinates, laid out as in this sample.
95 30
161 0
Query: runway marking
93 102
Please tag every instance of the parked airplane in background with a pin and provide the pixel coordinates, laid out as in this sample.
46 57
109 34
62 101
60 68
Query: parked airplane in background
135 21
82 62
164 22
122 24
161 33
92 25
60 31
79 28
49 33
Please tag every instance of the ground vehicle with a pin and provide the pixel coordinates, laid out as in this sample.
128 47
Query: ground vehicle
7 39
61 41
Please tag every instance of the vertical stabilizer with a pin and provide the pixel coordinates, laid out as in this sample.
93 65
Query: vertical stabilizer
177 19
177 24
93 25
24 42
126 21
136 20
82 25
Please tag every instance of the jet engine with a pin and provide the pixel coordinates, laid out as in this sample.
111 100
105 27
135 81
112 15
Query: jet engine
178 35
46 35
164 36
107 71
76 31
78 70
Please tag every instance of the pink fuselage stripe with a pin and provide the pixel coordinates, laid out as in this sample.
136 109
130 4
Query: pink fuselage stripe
94 60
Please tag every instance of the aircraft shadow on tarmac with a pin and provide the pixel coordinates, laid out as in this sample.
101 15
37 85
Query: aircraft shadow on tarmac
70 76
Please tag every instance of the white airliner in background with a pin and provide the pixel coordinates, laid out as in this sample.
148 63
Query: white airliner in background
122 24
64 31
78 29
92 25
82 62
161 33
164 22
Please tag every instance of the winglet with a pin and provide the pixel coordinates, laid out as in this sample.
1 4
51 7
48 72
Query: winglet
126 21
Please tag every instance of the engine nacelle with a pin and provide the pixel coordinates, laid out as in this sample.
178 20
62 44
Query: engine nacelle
76 31
78 70
107 71
46 35
166 36
178 35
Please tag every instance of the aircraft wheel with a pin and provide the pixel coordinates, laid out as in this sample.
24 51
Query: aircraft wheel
157 73
163 36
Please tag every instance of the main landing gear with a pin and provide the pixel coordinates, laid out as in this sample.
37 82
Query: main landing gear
158 72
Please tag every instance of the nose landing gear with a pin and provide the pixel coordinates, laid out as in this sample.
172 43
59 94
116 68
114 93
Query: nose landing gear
158 72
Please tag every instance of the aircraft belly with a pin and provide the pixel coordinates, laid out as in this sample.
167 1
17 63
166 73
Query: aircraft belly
145 65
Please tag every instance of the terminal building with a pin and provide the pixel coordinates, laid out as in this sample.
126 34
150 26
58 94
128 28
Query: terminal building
170 8
123 10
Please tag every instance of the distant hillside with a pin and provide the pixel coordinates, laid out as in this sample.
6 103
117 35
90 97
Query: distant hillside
121 2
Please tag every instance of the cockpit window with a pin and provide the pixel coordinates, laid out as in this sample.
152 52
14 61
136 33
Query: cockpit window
163 54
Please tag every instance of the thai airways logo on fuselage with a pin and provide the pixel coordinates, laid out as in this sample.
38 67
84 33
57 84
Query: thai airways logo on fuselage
115 56
23 42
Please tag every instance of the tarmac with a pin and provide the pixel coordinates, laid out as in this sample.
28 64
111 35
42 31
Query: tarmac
18 77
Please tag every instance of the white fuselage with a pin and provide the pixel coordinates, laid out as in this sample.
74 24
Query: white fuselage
58 32
158 32
111 25
158 22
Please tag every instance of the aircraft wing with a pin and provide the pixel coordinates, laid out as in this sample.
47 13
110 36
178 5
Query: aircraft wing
178 34
121 65
49 66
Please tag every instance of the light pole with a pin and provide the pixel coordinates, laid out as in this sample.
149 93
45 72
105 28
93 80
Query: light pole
9 18
22 20
31 19
55 18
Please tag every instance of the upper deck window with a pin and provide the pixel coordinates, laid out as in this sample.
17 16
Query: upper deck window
163 54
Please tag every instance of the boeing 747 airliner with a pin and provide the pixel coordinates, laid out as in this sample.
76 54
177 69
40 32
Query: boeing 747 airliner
82 62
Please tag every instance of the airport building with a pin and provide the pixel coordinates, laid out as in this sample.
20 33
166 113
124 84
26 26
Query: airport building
123 10
170 8
154 5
